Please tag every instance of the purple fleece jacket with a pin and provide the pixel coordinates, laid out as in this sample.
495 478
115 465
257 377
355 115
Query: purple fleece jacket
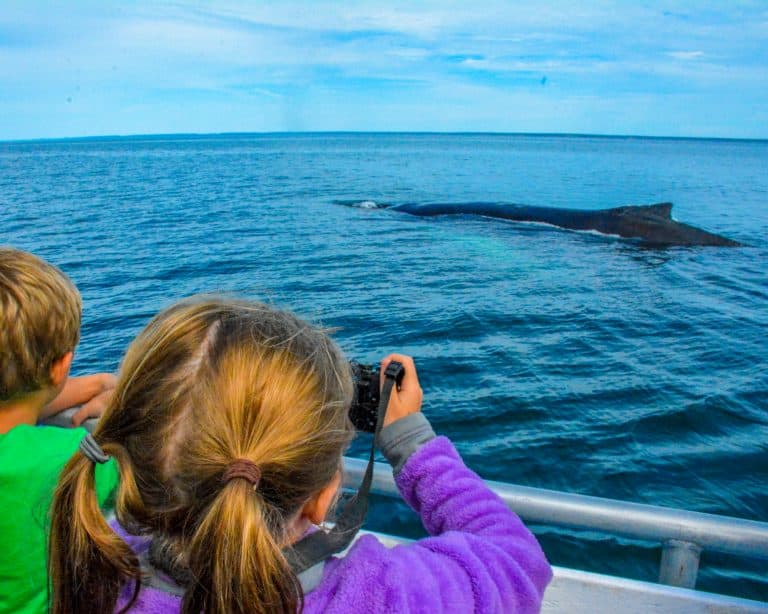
479 558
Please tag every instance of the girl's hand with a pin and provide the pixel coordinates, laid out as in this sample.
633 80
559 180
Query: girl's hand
406 399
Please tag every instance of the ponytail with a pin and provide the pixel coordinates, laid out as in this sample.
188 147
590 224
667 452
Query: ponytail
208 384
235 561
87 561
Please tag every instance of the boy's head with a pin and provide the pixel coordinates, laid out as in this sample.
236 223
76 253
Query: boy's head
40 311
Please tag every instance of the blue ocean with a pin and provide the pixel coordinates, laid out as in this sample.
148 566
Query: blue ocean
557 359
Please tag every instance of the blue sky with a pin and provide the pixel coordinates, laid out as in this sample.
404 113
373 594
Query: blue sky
651 68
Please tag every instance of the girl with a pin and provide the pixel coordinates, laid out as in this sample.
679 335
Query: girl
228 423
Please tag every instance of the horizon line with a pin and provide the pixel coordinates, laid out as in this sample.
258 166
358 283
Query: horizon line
161 135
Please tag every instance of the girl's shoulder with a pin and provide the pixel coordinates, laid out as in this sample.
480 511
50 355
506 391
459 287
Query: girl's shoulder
150 601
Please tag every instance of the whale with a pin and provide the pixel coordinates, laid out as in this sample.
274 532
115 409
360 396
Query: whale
651 225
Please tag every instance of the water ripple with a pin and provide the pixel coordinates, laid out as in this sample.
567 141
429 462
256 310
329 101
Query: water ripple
552 358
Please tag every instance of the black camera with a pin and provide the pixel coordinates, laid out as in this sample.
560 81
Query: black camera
365 399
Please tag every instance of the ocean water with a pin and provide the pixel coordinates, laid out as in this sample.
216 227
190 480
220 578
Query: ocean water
556 359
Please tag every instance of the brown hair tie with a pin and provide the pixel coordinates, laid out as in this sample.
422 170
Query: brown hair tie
242 468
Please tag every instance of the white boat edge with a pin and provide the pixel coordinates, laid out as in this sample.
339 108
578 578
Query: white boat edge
583 592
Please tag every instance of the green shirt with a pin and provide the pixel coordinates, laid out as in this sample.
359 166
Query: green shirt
31 458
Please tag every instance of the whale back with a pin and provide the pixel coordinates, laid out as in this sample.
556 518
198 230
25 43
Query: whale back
658 210
651 224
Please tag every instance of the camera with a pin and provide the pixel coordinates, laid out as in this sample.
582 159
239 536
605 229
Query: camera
365 399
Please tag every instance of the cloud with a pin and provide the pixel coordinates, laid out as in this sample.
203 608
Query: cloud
685 55
323 60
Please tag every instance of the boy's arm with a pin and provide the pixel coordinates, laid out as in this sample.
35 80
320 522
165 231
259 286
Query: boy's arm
92 392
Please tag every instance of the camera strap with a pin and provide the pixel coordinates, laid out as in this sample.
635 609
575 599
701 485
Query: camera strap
318 546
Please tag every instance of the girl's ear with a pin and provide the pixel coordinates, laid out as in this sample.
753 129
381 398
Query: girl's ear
316 509
60 369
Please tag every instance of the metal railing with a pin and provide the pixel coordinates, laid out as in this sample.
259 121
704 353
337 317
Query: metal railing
682 534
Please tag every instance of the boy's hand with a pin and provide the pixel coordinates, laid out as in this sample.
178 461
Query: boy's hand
90 391
93 408
406 399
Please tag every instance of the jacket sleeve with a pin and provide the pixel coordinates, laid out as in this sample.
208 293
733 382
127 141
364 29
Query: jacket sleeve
479 558
478 543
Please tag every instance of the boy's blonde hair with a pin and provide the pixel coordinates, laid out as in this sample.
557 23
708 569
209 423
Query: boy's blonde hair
208 382
40 310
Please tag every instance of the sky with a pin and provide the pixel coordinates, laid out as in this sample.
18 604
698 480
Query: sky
657 68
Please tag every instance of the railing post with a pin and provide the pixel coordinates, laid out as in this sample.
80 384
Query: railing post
679 563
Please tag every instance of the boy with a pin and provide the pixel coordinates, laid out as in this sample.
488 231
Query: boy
40 312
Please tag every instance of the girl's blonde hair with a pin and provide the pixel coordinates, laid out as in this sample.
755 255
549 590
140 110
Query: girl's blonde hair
207 382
